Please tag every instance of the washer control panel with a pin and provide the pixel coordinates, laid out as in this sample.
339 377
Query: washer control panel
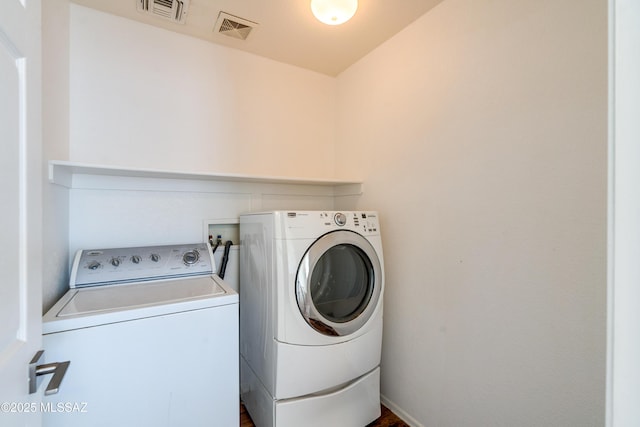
96 267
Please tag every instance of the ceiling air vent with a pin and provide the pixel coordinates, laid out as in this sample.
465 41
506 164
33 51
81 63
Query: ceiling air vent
233 26
172 10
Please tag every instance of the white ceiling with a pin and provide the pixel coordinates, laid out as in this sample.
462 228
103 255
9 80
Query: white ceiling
287 30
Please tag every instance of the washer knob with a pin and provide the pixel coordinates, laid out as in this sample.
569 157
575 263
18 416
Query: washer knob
155 257
340 219
191 257
93 265
115 261
136 259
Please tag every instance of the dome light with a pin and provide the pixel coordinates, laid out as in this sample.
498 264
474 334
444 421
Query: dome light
334 12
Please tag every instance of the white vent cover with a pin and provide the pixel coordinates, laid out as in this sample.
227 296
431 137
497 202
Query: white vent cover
172 10
233 26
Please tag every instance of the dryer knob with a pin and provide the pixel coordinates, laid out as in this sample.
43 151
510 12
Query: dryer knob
340 219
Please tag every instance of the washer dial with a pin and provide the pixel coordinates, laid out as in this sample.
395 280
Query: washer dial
191 257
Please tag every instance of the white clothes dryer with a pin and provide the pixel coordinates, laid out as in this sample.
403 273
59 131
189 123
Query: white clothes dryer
311 292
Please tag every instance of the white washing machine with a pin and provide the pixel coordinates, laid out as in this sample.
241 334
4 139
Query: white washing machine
152 337
311 291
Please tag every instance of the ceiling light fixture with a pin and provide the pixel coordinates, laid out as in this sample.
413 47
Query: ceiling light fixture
334 12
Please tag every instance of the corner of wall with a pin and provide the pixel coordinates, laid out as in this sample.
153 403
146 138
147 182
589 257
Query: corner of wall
55 146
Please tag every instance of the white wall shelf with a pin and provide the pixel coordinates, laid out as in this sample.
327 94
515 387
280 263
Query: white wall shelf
75 175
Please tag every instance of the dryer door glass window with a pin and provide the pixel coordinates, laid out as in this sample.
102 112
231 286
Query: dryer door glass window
342 283
339 283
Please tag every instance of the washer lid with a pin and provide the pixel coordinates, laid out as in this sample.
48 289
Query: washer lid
82 308
114 298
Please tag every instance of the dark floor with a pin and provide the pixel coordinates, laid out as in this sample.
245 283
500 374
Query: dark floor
387 419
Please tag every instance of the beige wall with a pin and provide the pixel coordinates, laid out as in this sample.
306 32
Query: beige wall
55 138
481 134
117 92
146 97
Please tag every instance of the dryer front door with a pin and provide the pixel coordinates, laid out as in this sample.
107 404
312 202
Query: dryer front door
339 283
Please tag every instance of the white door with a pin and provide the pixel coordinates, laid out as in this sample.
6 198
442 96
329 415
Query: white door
20 212
624 219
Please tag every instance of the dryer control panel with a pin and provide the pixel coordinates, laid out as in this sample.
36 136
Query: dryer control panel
300 224
361 221
96 267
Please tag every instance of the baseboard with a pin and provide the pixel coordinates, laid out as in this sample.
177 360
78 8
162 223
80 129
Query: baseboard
401 413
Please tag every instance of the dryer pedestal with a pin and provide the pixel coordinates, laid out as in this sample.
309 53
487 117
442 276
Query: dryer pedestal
356 403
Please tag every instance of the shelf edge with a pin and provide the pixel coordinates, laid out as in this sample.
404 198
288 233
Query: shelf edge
62 172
